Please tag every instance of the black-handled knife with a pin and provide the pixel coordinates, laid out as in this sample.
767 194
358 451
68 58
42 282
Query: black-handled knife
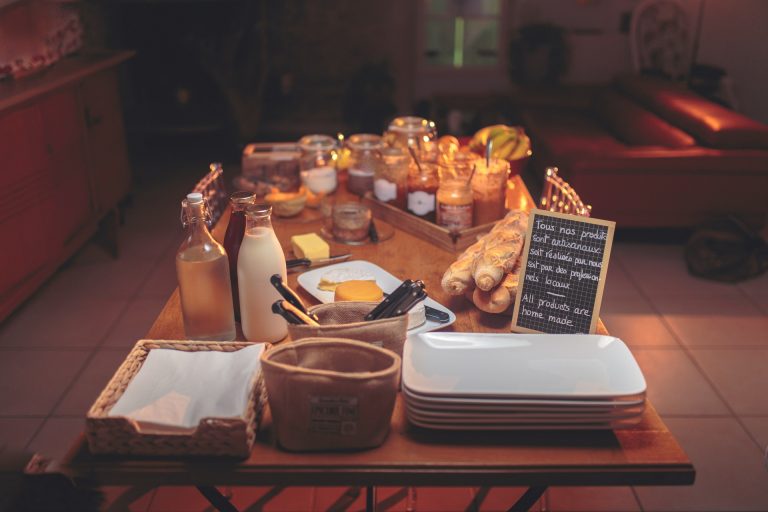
373 233
289 295
306 262
436 315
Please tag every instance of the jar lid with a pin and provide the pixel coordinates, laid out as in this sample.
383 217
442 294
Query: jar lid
317 142
411 124
365 141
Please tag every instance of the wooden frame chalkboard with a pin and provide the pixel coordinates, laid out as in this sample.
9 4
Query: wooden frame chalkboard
562 274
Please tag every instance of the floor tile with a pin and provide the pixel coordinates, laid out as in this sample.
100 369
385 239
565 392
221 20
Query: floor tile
660 270
762 303
758 428
119 278
126 499
77 321
730 474
443 499
32 382
288 499
592 499
56 437
90 382
675 385
634 321
756 286
179 499
135 322
162 278
715 321
16 433
498 499
739 375
618 285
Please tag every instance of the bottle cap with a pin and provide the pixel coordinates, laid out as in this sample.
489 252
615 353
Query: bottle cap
195 197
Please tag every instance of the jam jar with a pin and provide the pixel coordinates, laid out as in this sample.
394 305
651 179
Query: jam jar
364 158
318 163
422 189
454 204
390 184
410 131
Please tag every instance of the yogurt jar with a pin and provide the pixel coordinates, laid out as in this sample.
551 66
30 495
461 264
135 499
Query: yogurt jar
318 163
320 180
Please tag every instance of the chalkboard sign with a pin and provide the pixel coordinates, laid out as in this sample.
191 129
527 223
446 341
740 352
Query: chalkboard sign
562 273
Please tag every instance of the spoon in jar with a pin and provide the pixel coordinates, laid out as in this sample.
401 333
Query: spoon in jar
415 159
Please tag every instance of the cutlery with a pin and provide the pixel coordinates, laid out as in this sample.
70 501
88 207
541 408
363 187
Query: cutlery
306 262
289 295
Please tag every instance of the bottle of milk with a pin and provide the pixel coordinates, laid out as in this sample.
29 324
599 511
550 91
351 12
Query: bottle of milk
203 273
260 257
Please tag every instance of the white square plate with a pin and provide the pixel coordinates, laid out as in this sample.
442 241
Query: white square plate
386 281
553 366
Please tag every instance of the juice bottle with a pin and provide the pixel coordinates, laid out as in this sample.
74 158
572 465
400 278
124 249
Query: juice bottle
202 270
260 257
233 238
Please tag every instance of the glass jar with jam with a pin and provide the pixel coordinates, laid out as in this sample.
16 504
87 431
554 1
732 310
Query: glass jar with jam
458 165
454 204
422 190
318 163
410 131
390 183
489 188
351 222
364 158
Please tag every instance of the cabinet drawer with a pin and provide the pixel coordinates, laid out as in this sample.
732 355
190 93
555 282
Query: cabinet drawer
22 144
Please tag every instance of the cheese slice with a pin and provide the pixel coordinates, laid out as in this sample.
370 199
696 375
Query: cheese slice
310 245
361 291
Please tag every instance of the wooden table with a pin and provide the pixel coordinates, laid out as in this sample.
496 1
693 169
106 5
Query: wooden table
647 454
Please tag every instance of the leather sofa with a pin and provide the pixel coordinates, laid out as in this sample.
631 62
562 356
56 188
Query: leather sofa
648 153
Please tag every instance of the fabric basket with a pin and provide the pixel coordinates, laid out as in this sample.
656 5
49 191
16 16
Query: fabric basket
330 393
214 436
346 320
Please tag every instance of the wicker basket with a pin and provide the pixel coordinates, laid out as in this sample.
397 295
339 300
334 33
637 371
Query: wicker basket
214 436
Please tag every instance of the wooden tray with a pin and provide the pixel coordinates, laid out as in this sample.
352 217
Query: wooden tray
451 240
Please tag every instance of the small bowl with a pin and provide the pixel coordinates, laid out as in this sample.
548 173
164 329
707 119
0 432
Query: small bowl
286 204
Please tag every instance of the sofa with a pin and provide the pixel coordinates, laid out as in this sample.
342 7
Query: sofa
648 153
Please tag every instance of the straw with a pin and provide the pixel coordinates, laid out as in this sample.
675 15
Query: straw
469 180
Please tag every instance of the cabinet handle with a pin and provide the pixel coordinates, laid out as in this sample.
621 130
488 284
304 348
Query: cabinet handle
90 119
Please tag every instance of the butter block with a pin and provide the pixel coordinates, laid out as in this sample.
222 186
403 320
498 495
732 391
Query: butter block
310 245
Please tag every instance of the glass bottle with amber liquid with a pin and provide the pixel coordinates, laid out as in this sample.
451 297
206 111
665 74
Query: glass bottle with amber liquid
202 270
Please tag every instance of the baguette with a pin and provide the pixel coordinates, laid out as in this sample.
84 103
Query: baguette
500 298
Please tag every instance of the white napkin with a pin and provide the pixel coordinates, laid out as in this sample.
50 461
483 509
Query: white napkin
174 389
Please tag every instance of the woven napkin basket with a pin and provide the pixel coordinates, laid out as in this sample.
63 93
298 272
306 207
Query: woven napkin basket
346 320
330 393
214 436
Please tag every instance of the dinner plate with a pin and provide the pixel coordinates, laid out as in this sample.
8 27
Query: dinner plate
465 420
386 281
540 366
554 416
516 403
528 426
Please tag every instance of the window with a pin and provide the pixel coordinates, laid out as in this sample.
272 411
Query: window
462 33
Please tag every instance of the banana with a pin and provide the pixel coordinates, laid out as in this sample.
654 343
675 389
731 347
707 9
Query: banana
522 149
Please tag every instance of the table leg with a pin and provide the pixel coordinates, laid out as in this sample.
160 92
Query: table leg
528 499
218 500
370 499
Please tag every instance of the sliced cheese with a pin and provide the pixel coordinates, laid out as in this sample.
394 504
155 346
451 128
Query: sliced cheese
310 245
362 291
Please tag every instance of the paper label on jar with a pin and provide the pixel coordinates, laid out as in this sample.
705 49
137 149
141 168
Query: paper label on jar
384 190
363 173
454 216
333 414
421 203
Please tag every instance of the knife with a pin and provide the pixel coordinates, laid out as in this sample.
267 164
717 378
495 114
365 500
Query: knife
306 262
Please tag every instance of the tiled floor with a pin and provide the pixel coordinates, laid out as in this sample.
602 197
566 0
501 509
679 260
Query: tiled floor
703 347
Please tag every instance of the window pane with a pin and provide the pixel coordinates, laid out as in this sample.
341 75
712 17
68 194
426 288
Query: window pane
439 42
469 8
439 7
481 39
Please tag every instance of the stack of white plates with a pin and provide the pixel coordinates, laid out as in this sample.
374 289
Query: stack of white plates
470 381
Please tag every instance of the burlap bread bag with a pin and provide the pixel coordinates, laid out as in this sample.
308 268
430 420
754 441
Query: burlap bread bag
330 393
346 320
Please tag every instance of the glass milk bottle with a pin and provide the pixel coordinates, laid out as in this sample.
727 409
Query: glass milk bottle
233 238
260 257
203 273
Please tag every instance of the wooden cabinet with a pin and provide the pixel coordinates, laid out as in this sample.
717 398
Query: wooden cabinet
64 167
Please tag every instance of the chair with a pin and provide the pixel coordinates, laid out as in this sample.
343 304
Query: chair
559 196
214 192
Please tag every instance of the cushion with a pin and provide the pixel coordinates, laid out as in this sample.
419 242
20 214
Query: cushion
713 124
637 126
561 131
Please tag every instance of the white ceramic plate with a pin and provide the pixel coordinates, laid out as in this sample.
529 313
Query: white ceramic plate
526 417
386 281
539 366
445 402
613 425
